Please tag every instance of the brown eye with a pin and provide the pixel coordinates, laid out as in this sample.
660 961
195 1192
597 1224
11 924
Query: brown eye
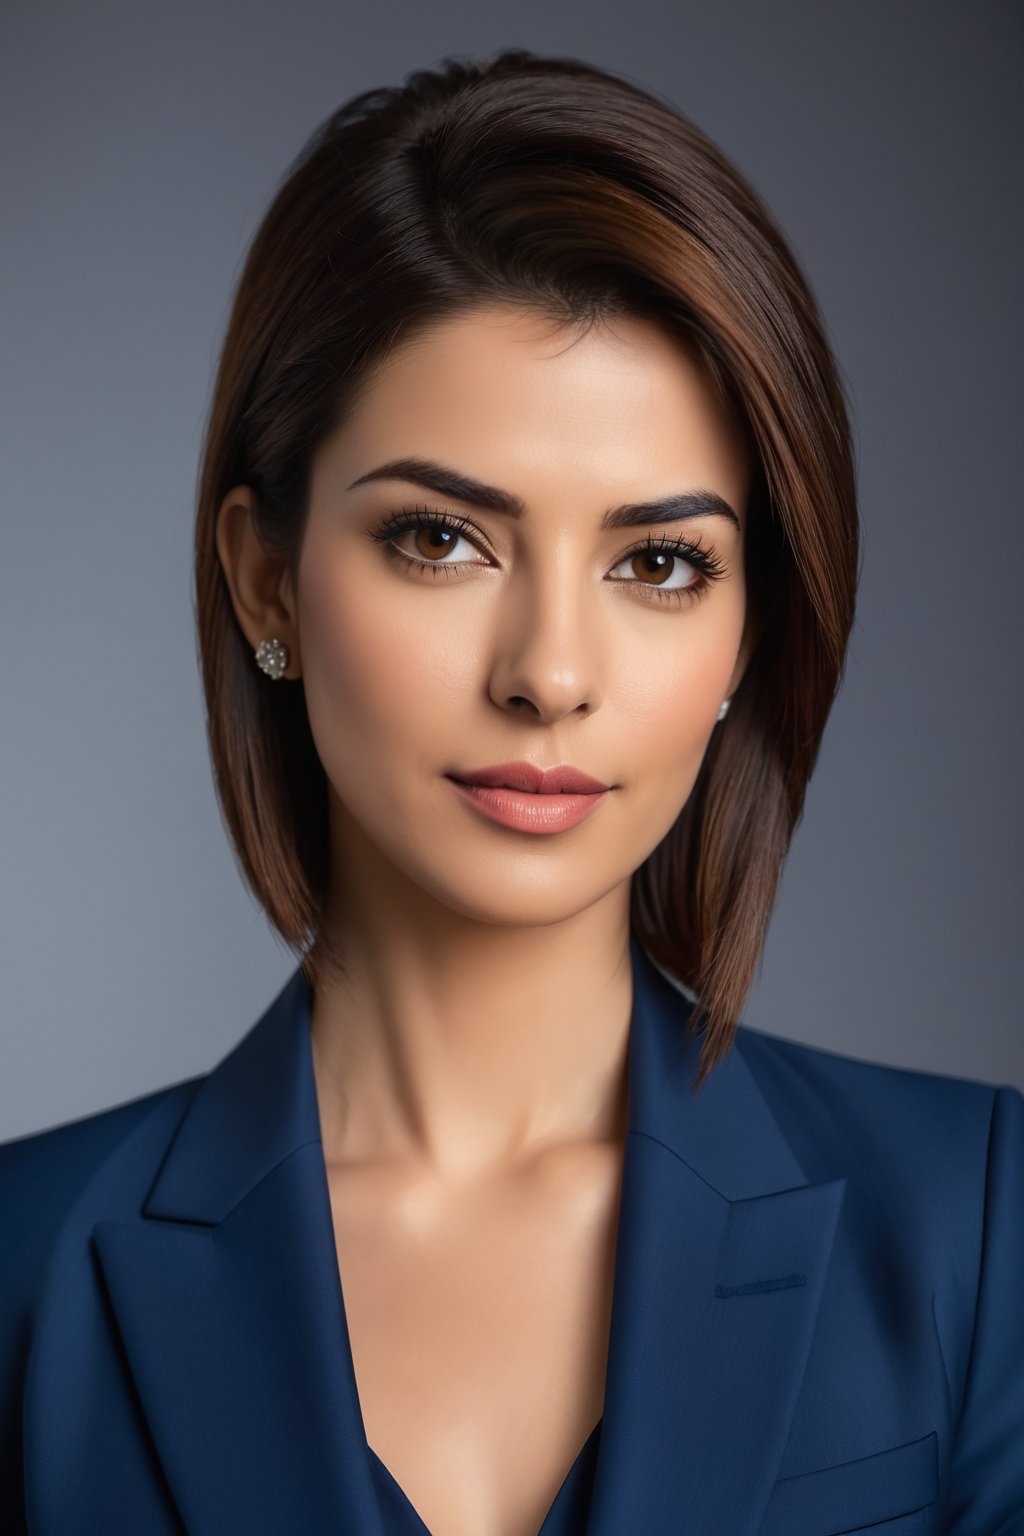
660 568
657 566
431 543
431 540
677 570
430 537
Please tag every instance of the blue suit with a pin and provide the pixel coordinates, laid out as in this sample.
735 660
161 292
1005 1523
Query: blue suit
817 1321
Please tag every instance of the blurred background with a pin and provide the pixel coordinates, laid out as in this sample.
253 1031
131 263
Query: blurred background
140 146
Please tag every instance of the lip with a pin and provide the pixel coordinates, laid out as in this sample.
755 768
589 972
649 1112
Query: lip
523 812
530 799
562 780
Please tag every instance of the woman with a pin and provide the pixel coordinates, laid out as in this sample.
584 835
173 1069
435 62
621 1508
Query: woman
526 556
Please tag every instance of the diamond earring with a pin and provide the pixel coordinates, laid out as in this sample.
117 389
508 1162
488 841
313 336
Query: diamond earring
272 657
724 709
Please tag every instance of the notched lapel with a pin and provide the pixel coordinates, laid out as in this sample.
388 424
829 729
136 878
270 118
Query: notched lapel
226 1294
722 1253
227 1299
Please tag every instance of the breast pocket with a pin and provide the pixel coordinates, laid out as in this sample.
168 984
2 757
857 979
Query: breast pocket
858 1495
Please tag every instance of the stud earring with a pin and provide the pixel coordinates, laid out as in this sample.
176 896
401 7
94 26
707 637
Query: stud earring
272 657
724 709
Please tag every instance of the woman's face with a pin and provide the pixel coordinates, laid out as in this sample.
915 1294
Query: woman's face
547 637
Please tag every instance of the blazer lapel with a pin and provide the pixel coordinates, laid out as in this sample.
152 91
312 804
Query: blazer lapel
227 1297
720 1263
229 1305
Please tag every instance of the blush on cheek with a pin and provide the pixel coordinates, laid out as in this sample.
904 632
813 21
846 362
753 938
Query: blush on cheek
673 707
358 666
696 676
383 690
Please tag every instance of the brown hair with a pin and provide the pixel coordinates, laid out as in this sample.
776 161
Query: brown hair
549 184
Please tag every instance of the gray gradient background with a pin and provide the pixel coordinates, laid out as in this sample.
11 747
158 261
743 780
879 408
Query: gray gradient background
141 144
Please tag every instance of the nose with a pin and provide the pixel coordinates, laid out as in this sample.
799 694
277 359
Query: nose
547 648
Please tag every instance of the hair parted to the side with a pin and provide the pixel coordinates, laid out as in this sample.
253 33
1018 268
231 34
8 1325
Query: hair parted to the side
553 185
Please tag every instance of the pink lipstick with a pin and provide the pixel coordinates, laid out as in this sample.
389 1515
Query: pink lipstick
531 799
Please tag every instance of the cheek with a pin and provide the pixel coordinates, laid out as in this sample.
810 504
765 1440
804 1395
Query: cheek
671 697
372 689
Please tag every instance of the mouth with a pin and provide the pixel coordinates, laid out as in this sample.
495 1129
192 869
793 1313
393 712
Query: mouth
529 779
528 799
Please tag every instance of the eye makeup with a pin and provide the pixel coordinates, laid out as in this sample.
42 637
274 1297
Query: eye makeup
708 567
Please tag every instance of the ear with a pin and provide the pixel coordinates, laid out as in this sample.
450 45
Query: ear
259 582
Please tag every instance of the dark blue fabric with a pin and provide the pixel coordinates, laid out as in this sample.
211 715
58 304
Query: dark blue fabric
816 1323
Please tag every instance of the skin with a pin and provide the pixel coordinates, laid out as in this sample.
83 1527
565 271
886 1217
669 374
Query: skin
470 1066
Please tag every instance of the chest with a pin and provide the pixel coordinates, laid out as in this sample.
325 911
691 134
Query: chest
478 1324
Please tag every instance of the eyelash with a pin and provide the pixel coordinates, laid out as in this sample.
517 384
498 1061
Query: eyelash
707 565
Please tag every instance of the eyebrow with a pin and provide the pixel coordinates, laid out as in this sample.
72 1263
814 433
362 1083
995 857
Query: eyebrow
458 487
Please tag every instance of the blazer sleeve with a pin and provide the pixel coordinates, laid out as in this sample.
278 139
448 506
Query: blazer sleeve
31 1199
42 1174
987 1484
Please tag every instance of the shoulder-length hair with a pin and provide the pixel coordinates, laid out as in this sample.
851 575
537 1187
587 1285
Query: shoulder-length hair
549 184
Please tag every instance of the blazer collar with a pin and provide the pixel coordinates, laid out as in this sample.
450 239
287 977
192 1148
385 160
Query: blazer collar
227 1296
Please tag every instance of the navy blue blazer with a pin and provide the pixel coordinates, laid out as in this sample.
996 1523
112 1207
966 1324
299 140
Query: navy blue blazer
817 1320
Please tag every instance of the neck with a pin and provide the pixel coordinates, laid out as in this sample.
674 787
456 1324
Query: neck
467 1046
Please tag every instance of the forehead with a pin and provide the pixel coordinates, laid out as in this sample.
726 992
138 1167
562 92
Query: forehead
553 412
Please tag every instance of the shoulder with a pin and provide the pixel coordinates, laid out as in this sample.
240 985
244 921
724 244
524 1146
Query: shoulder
938 1159
45 1178
893 1122
53 1163
44 1175
870 1100
934 1166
